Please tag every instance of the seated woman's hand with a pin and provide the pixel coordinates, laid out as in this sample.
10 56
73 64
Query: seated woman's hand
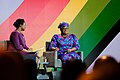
72 49
69 50
30 49
55 49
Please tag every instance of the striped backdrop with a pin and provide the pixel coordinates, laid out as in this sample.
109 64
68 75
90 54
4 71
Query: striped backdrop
94 22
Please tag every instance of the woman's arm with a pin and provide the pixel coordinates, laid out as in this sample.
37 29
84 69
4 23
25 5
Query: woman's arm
76 45
14 38
53 44
75 42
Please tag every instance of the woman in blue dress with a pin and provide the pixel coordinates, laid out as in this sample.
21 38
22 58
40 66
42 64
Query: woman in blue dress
65 44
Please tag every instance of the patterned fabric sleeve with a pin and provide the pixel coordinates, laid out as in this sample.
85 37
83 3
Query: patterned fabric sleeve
53 42
76 43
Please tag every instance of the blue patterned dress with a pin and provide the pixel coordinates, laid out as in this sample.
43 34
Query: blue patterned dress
63 44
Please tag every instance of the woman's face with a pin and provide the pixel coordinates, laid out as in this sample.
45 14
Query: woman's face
23 27
64 31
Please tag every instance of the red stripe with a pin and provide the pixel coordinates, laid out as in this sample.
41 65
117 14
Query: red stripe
39 15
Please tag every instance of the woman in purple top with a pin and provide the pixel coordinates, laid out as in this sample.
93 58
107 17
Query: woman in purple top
65 44
17 38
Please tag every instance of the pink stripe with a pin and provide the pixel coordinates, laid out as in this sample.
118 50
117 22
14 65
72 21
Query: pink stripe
39 15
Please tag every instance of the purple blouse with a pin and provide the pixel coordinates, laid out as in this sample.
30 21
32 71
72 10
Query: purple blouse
64 43
18 41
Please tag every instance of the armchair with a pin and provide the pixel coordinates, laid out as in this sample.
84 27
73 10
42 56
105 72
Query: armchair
6 46
53 58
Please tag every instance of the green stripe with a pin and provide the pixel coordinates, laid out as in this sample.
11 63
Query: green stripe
86 16
100 27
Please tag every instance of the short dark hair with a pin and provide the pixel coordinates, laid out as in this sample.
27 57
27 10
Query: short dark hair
18 22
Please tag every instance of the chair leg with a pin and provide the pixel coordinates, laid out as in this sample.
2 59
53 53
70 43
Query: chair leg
55 68
50 75
38 64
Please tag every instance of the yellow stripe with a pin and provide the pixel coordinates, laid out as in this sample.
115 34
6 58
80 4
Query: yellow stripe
67 15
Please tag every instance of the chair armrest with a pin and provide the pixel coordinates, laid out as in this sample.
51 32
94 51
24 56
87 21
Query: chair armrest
81 54
3 45
52 58
50 55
